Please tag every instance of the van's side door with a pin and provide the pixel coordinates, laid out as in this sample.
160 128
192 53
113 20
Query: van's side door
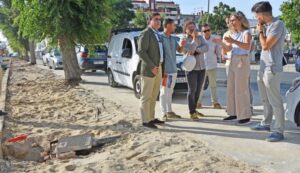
125 61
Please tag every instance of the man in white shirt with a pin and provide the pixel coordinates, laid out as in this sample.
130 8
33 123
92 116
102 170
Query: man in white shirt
211 63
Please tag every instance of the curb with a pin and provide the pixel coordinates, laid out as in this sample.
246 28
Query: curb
2 103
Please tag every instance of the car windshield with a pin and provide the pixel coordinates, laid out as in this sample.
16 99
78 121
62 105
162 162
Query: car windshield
96 49
179 57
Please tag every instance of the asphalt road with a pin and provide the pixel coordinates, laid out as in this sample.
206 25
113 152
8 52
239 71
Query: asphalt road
238 142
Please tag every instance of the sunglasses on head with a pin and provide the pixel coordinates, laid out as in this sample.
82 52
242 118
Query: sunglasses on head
207 30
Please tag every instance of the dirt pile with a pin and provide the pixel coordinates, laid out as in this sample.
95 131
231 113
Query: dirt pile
41 106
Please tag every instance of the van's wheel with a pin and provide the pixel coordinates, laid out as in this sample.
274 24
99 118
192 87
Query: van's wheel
137 86
111 80
94 71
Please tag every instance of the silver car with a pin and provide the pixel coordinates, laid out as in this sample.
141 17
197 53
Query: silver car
54 59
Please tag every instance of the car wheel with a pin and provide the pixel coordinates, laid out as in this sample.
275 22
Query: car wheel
297 115
111 80
94 71
49 65
137 86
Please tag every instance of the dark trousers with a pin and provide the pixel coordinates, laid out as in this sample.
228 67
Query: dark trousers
195 81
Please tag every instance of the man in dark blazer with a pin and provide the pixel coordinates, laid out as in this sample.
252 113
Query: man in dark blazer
150 50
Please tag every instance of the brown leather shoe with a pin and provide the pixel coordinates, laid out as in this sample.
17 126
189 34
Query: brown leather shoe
217 106
150 125
157 121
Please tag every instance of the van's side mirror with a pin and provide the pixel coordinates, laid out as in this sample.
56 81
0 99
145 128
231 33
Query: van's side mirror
126 53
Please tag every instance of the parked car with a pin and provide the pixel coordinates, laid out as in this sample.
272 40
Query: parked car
53 59
123 62
293 102
92 60
14 55
45 58
40 50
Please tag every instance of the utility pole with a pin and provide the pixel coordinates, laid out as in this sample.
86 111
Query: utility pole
208 6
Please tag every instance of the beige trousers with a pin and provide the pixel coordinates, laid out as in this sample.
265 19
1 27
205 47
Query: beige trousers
269 89
212 78
238 95
227 64
149 92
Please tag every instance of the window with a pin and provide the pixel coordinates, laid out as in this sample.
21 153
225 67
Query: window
127 46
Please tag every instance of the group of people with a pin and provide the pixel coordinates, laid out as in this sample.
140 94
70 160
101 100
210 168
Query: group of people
158 68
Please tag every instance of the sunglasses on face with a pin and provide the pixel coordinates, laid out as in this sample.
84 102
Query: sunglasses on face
206 31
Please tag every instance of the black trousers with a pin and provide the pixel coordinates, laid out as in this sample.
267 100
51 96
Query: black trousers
195 81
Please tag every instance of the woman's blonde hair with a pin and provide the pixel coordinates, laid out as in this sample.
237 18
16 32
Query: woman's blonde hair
242 18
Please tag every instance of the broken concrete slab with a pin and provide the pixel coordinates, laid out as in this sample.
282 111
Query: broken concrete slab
71 147
25 151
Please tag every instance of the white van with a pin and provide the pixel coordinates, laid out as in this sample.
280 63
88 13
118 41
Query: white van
122 62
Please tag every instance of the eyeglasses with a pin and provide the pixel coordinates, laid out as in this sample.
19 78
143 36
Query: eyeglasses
207 30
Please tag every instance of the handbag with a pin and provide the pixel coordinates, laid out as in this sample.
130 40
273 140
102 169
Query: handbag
189 63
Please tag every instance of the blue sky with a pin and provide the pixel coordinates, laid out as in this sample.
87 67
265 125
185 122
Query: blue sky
189 6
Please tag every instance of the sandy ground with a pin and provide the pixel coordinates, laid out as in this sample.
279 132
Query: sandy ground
41 106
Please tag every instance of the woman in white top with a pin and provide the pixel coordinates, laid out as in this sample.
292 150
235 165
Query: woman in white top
239 44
